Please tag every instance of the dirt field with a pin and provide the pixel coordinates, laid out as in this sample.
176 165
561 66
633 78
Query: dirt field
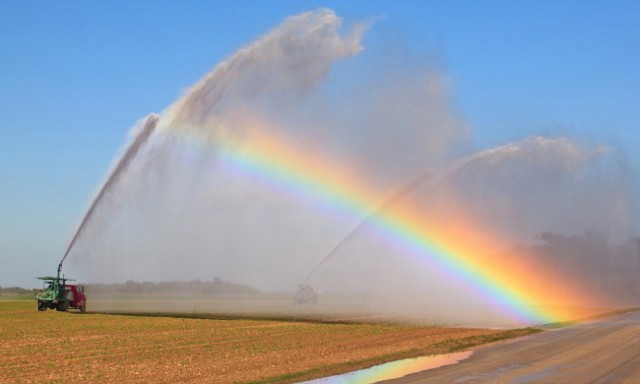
37 347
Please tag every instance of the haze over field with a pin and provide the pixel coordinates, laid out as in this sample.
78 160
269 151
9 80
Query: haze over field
281 165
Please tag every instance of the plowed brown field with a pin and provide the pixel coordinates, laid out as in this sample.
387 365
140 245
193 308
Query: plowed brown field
39 347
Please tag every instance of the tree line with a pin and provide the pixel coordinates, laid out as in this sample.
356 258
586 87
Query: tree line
215 286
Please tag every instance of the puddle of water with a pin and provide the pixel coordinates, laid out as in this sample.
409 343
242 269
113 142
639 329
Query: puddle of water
394 369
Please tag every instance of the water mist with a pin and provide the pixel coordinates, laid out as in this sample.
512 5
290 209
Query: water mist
261 177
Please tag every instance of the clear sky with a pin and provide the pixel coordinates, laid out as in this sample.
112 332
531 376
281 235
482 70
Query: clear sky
75 76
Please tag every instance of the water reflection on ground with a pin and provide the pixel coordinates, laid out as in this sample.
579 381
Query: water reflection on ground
394 369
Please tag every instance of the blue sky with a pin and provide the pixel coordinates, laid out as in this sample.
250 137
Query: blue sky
75 76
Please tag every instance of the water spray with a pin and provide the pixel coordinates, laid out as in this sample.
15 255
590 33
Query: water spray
394 197
124 162
508 152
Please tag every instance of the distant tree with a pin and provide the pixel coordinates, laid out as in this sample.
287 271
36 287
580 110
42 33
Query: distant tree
14 290
217 286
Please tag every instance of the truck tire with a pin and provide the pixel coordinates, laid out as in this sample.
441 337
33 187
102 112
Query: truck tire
41 307
63 306
83 308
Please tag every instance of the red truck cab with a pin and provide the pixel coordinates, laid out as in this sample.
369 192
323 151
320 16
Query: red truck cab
76 297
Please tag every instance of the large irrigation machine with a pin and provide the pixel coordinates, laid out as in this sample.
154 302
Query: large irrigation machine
58 294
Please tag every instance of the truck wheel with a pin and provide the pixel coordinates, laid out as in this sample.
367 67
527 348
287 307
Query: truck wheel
40 306
83 308
63 306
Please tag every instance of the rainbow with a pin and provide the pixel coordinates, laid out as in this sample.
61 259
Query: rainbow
461 249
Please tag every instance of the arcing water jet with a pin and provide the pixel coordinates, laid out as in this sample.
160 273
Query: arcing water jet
291 59
367 219
141 137
533 150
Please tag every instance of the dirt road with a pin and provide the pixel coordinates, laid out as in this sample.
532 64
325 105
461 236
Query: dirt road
599 351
